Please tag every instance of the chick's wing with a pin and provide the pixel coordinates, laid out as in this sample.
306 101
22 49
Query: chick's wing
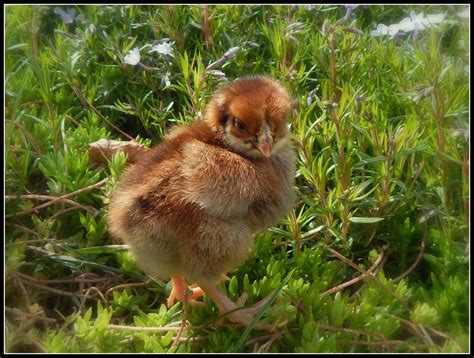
222 183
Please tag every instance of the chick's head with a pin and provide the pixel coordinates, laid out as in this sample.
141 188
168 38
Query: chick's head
251 114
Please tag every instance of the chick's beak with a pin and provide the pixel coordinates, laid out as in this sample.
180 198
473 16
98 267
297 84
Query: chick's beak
265 146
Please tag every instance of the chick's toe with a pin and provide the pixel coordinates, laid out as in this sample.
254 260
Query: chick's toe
182 293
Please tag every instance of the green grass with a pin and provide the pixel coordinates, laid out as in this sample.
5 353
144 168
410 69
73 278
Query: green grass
381 134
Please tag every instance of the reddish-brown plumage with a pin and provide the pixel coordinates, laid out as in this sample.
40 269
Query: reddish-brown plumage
192 205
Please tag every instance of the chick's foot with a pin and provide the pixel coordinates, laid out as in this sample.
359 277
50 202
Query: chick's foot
234 311
179 292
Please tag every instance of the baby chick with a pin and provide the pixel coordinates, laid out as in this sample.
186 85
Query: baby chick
189 208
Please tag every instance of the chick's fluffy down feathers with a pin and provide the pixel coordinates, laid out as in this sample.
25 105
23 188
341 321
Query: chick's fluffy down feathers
192 206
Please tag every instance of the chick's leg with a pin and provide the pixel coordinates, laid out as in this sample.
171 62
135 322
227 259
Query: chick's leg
178 292
243 316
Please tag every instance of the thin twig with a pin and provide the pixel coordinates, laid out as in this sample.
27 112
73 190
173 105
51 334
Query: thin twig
18 312
428 338
445 336
182 326
63 134
296 232
54 290
86 296
23 290
207 35
47 197
55 199
351 330
143 329
125 285
358 278
25 229
71 280
350 263
374 343
34 342
411 326
89 105
61 212
412 267
264 348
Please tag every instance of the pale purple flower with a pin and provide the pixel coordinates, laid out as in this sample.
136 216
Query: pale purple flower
67 16
226 57
415 23
132 57
464 14
219 74
165 80
349 9
164 48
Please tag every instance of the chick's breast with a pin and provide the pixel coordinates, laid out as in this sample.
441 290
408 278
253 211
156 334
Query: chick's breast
195 210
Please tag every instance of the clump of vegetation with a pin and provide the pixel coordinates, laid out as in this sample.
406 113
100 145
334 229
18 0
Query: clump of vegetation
374 256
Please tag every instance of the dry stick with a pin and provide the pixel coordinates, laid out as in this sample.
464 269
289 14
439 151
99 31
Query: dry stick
23 291
349 262
296 232
333 63
445 336
18 312
27 230
89 105
86 296
309 238
47 197
381 265
183 321
73 280
56 199
143 329
30 138
61 212
265 336
135 284
351 330
412 267
264 348
54 290
412 327
374 343
34 342
63 134
207 35
358 278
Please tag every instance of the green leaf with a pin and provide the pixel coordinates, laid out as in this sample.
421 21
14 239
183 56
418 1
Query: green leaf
364 220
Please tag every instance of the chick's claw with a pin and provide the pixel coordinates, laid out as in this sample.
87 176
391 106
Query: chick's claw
245 316
234 311
178 292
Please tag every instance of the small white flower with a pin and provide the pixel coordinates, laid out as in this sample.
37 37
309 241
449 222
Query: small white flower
132 57
226 57
165 80
164 48
67 16
349 9
219 74
415 23
434 19
382 30
231 52
464 14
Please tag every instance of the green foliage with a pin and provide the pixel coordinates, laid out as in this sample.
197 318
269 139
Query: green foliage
373 258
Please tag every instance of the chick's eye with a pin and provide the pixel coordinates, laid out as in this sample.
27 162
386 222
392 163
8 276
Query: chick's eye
239 125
